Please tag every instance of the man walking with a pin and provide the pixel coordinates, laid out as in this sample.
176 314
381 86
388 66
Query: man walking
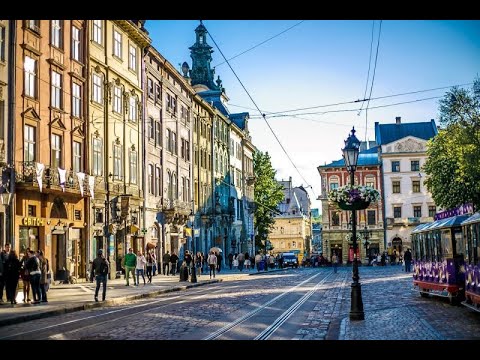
407 257
166 263
3 259
100 267
130 264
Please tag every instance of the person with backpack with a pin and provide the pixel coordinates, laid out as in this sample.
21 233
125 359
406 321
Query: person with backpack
100 268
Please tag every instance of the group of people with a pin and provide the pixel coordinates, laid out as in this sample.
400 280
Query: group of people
34 271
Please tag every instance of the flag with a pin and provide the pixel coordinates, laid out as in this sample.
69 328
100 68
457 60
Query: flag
39 169
61 173
81 178
91 184
188 231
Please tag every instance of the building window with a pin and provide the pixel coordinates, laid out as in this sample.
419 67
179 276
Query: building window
432 210
97 157
174 143
57 33
396 187
2 119
169 185
133 109
133 167
97 89
56 151
158 178
335 219
76 43
117 99
397 212
158 133
333 186
150 129
371 219
132 59
98 216
417 211
97 32
76 100
30 71
151 183
158 94
416 186
184 189
34 25
150 88
117 162
78 215
167 139
117 44
32 210
395 166
2 43
56 90
77 156
415 165
187 188
174 187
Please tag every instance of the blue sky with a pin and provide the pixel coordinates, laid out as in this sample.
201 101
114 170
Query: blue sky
321 62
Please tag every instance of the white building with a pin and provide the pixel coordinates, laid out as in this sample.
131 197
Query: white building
407 202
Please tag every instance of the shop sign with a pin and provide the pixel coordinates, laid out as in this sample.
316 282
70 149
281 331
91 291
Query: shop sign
29 221
460 210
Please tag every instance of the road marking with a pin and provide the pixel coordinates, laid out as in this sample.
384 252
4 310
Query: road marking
247 316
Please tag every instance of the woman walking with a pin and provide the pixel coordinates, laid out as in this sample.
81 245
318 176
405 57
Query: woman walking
212 263
150 262
141 261
25 277
12 271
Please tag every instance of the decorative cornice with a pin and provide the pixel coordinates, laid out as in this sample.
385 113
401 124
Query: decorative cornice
76 76
31 49
134 32
56 63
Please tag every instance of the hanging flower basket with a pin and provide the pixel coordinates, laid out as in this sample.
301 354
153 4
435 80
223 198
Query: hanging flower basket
357 205
353 197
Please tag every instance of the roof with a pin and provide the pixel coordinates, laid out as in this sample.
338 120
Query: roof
443 223
472 219
387 133
239 119
213 96
367 157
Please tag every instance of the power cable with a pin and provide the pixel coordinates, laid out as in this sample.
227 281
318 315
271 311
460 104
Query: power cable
263 115
263 42
369 64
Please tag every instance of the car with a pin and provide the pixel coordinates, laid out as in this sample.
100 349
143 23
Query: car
289 259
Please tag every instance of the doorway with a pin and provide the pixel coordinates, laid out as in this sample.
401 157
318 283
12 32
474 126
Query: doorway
59 260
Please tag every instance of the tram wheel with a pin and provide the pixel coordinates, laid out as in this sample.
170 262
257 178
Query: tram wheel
424 293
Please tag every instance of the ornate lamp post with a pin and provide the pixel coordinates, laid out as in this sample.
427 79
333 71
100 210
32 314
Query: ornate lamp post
191 218
350 155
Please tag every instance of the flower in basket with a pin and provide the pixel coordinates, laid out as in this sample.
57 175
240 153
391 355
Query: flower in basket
349 194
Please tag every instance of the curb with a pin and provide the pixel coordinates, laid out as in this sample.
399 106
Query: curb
68 309
263 272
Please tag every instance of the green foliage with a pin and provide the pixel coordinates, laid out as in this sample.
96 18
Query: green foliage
268 194
453 164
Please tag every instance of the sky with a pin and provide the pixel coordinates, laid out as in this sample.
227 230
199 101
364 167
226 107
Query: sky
324 62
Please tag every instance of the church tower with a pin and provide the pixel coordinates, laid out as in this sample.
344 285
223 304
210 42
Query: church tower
201 54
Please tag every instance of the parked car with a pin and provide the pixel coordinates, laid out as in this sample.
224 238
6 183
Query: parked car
289 259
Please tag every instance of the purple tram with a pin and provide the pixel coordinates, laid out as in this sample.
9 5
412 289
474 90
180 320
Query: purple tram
438 258
471 233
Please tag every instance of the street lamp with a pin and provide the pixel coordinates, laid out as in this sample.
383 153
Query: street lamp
350 155
191 218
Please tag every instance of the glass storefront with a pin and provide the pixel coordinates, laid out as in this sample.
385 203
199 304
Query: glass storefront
29 238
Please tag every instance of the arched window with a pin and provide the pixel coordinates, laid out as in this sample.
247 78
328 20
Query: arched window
169 185
174 187
158 181
151 184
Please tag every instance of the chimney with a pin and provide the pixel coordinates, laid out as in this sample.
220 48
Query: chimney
398 120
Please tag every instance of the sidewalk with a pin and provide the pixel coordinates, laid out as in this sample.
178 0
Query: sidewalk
65 298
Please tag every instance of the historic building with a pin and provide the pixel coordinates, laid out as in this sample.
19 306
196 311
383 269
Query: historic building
50 142
292 231
7 94
336 226
316 232
115 134
248 182
407 202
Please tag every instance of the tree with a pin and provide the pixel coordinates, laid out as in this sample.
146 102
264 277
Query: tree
453 163
268 194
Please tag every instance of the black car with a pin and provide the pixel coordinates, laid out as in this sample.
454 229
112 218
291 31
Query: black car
289 260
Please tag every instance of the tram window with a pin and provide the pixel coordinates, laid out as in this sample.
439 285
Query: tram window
422 246
438 245
476 243
428 249
447 243
459 242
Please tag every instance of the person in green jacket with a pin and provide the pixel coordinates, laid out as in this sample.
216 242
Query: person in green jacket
130 264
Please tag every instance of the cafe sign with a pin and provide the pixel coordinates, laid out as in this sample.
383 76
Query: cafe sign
31 221
460 210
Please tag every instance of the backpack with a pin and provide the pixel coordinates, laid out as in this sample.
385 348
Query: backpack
103 267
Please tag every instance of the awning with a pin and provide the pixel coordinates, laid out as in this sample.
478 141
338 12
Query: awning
439 224
472 219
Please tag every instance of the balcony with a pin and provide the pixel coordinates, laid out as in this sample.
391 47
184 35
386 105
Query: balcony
26 176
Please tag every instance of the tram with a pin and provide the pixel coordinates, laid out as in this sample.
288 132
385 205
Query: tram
439 258
471 233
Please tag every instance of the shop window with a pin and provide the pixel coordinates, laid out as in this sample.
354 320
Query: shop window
32 210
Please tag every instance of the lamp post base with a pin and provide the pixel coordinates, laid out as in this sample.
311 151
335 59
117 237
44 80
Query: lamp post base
356 309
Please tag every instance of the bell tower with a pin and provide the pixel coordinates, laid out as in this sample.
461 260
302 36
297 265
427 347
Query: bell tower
201 54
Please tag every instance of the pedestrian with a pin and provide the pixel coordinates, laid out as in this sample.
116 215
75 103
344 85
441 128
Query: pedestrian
3 258
12 272
140 267
173 263
258 260
241 261
150 262
212 263
166 263
219 261
33 267
230 260
130 264
334 262
154 262
25 277
407 257
188 260
100 269
44 268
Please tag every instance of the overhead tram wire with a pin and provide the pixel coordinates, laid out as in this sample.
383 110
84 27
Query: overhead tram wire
258 109
373 80
369 64
263 42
